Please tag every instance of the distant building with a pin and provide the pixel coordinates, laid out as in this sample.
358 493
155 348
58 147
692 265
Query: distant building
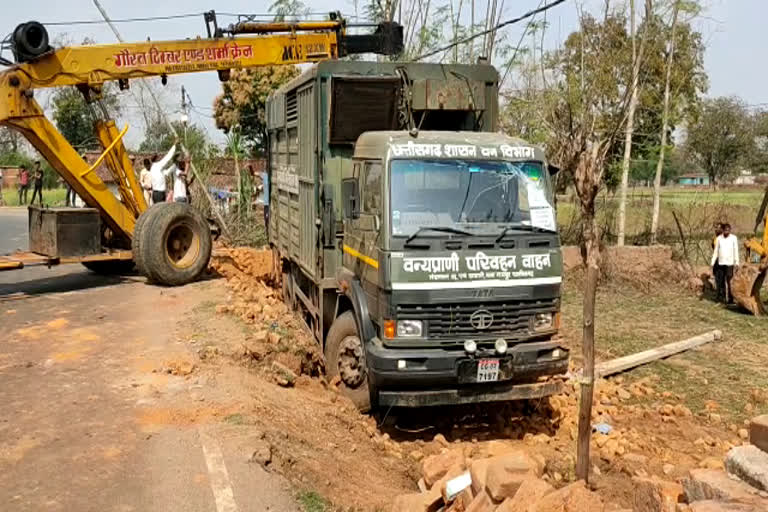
10 175
696 179
745 177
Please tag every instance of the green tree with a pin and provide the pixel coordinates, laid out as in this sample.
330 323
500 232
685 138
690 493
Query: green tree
722 138
288 9
72 115
243 102
74 119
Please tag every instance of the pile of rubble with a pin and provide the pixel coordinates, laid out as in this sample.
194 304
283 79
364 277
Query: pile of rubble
508 478
278 343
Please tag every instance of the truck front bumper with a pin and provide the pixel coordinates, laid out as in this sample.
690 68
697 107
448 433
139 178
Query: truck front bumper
436 376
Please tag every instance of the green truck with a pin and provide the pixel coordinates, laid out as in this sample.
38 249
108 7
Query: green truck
419 244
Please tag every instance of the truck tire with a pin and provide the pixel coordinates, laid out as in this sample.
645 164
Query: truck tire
174 244
138 234
110 267
344 358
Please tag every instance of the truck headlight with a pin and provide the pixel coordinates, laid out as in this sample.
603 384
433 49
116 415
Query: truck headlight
409 328
542 321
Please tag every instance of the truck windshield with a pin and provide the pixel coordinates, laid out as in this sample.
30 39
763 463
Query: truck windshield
487 194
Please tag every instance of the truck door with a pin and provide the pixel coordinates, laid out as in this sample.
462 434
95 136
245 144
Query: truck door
363 225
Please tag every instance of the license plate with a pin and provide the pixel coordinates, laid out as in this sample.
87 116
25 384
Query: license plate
487 370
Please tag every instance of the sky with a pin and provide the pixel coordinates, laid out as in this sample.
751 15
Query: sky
734 31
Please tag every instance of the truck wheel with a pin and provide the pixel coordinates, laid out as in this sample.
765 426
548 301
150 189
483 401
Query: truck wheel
174 244
138 236
110 267
344 358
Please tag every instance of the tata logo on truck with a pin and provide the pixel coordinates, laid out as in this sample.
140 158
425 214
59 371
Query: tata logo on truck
481 319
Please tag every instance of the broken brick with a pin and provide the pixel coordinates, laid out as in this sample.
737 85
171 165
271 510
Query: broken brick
435 467
506 473
758 432
574 497
656 495
529 492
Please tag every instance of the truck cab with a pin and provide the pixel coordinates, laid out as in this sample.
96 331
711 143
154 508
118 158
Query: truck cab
419 244
451 240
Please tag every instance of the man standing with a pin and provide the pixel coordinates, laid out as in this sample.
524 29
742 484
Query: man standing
23 184
145 181
38 181
180 194
158 172
726 255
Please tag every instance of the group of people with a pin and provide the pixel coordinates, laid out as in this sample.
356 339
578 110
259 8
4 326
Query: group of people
725 257
152 178
37 182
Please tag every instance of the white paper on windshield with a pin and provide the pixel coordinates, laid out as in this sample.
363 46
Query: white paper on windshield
543 218
536 196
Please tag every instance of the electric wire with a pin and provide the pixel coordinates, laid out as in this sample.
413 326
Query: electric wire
172 17
490 30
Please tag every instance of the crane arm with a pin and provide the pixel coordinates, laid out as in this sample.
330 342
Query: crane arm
247 45
243 45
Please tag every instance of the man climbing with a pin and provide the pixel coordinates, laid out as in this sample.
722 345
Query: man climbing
726 256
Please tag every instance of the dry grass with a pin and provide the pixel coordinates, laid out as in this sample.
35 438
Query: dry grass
629 320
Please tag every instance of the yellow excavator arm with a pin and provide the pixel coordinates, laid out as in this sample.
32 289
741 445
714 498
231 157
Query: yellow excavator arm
747 283
242 45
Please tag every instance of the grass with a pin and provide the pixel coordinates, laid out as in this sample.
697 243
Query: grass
310 501
629 321
697 209
52 196
237 419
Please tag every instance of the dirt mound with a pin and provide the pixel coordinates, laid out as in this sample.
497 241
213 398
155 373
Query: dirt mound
278 342
238 261
640 267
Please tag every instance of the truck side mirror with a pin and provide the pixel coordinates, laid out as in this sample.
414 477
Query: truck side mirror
350 193
553 169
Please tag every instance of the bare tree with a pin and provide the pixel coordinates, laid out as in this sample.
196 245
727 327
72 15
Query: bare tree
664 126
584 119
630 126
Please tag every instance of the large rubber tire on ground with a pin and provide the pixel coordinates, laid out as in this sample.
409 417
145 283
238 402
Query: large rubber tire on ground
345 358
138 237
111 267
174 244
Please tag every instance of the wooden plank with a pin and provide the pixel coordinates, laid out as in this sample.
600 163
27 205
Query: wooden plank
625 363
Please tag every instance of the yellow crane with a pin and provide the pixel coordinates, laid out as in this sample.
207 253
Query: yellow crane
747 283
170 243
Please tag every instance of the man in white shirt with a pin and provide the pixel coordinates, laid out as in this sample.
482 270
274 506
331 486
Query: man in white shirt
159 170
145 181
180 194
726 255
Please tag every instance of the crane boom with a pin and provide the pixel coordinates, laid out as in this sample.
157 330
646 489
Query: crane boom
243 45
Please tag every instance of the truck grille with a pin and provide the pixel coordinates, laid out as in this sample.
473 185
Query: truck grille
510 319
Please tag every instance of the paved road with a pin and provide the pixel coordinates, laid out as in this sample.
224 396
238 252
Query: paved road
13 229
94 419
36 280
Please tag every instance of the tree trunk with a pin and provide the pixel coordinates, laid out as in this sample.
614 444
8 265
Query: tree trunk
664 129
592 247
629 129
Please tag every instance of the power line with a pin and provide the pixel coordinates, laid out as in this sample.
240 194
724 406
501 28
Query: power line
493 29
169 17
126 20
